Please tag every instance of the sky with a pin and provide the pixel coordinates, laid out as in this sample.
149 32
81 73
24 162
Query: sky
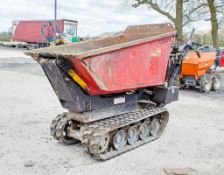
94 16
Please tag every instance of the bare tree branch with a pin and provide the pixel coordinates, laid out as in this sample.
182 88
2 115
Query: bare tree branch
188 11
154 5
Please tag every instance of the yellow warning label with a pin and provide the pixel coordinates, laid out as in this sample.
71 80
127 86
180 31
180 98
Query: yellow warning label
77 79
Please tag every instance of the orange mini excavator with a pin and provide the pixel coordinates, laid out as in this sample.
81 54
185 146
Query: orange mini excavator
196 72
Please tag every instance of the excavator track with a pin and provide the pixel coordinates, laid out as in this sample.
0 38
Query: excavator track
58 129
108 138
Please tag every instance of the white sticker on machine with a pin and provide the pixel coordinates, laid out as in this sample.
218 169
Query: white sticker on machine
119 100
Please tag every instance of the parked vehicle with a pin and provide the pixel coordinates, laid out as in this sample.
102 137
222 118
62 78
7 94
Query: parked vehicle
198 69
40 33
196 72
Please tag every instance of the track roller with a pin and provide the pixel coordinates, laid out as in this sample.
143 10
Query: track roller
132 135
155 127
120 139
143 131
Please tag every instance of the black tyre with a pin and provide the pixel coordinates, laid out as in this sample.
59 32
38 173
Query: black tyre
216 83
205 83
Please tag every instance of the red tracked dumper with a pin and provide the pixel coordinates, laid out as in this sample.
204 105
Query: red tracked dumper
114 88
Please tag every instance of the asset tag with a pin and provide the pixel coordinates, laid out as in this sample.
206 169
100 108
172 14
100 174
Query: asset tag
119 100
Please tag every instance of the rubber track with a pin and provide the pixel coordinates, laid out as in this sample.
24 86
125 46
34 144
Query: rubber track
97 130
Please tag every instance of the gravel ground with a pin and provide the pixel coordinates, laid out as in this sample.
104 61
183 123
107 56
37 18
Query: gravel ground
194 138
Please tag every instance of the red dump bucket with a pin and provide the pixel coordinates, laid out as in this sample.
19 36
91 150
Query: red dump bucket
137 58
